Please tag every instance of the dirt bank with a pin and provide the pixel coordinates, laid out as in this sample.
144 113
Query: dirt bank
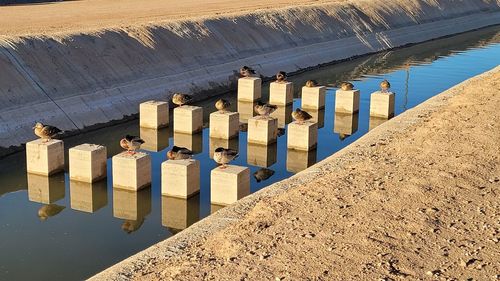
77 79
417 197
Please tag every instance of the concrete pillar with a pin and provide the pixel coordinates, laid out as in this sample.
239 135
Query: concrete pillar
87 162
302 136
262 155
283 114
44 189
382 104
375 122
88 197
155 139
262 130
313 98
229 185
318 116
246 110
233 143
347 101
153 114
192 142
345 124
131 205
249 88
299 160
188 119
45 158
281 93
224 125
178 214
180 178
131 171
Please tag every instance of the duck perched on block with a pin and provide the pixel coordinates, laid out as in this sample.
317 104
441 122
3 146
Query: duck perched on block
300 116
311 83
281 77
264 109
385 86
181 99
224 156
46 132
346 86
131 143
247 71
179 153
222 105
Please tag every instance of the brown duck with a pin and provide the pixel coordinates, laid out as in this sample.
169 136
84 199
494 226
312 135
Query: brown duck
264 109
385 86
179 153
246 71
281 77
222 105
346 86
224 156
45 132
131 143
311 83
300 115
181 99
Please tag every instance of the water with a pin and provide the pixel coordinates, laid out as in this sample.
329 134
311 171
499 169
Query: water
78 235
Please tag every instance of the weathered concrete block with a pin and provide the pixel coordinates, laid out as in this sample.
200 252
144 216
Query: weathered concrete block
178 213
214 143
281 93
249 88
283 114
302 136
131 205
229 185
131 171
88 197
180 178
153 114
45 158
44 189
155 139
347 101
345 124
313 97
262 130
382 104
87 162
246 110
299 160
192 142
188 119
224 125
318 116
375 122
262 155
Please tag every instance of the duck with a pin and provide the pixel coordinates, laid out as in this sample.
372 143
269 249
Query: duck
224 156
281 132
264 109
222 105
263 174
385 86
179 153
50 210
311 83
346 86
131 143
181 99
281 77
46 132
300 115
247 71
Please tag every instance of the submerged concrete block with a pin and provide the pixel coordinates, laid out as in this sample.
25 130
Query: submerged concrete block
44 189
382 104
153 114
131 171
188 119
302 136
283 114
88 197
44 158
180 178
281 93
262 130
224 125
131 205
178 213
299 160
87 162
313 97
262 155
249 88
155 139
193 142
214 143
347 101
229 185
345 124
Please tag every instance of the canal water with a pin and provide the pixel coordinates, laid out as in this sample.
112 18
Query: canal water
70 231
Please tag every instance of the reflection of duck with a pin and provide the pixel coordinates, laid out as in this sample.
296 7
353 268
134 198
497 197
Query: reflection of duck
281 77
243 127
300 115
45 132
222 105
50 210
130 226
311 83
281 132
131 143
385 86
223 156
343 136
179 153
246 71
265 109
181 99
263 174
346 86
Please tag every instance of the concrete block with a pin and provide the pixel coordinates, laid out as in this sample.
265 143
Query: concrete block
347 101
382 104
262 155
302 136
87 162
262 130
299 160
153 114
281 93
318 116
345 124
178 214
131 172
229 185
249 88
88 197
44 189
131 205
214 143
180 178
313 97
45 158
375 122
283 114
224 125
155 139
188 119
246 110
193 142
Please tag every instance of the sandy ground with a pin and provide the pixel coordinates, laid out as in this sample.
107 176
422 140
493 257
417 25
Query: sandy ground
418 205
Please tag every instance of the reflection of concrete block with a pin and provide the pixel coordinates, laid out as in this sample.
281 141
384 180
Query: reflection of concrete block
88 197
180 178
261 155
229 185
281 93
178 213
193 142
214 208
249 88
153 114
298 160
87 162
262 130
225 143
155 139
345 124
375 122
246 110
313 97
347 101
131 171
382 105
131 205
224 125
302 136
318 116
44 189
45 158
283 114
188 119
